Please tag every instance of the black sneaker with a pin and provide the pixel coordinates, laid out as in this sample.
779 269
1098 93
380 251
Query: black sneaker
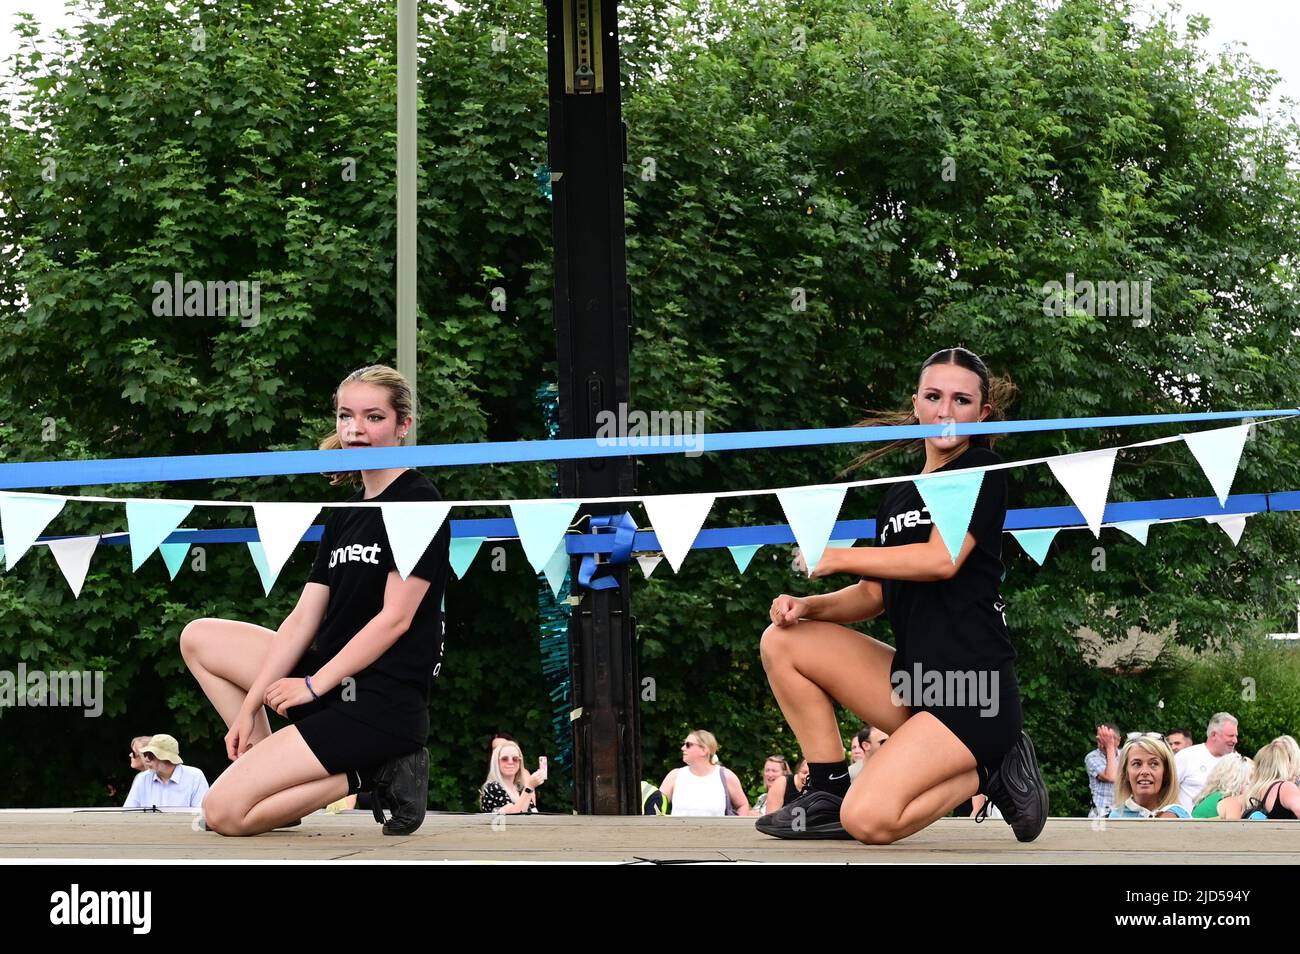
813 814
402 786
1018 791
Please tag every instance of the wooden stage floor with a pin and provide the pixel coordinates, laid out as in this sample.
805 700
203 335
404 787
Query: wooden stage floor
99 834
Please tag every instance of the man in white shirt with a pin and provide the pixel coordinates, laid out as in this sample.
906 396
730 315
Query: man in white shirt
167 782
1195 762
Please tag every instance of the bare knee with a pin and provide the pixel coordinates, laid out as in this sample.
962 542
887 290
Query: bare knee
223 817
870 826
193 637
774 647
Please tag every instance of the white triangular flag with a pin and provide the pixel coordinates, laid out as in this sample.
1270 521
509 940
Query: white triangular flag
1086 478
1137 529
73 557
812 514
648 563
1219 452
411 525
22 518
281 527
677 519
1232 524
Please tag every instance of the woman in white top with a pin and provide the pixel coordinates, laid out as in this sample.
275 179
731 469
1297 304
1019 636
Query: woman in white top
702 786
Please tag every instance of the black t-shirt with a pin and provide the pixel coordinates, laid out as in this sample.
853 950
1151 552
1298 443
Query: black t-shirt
954 624
354 559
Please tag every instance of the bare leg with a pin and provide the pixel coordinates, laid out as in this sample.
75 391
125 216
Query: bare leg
811 663
225 657
273 783
922 774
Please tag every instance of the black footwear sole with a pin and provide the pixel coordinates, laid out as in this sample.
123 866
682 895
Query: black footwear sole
402 786
1027 791
784 824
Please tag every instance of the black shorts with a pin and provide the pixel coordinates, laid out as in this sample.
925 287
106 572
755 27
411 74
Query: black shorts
989 732
343 745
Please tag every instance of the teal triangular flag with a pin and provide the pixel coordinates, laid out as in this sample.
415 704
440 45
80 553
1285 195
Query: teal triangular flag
173 555
950 499
263 568
556 569
463 551
1036 542
541 525
22 519
743 554
1137 529
812 514
150 522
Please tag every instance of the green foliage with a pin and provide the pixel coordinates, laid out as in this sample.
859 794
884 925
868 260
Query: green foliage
796 145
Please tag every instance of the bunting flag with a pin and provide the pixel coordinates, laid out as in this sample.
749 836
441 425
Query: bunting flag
743 554
1219 453
1137 529
557 569
21 521
173 555
541 525
1086 478
843 544
812 514
463 551
677 519
149 523
263 569
950 498
1232 524
648 563
411 527
73 557
1036 542
280 526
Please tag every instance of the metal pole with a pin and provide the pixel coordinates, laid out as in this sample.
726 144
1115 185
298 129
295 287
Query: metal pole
407 28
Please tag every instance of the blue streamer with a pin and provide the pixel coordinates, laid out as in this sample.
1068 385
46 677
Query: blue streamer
624 528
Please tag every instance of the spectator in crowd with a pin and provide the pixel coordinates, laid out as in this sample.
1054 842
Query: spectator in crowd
1222 796
167 782
868 741
137 763
1148 780
1102 764
786 788
1272 789
510 789
703 787
1195 762
1179 739
774 768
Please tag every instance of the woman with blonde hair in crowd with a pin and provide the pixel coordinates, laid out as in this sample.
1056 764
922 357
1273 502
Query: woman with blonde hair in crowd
1222 795
510 789
1272 792
1148 781
702 787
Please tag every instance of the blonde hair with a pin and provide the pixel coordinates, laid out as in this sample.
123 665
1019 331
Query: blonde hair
999 391
513 787
1279 761
1230 776
1157 747
400 396
709 742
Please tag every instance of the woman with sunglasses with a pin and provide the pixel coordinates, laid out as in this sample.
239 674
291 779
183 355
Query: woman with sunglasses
510 789
702 787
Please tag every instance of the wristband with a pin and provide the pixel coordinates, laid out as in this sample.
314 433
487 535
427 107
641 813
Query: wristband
527 790
307 679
